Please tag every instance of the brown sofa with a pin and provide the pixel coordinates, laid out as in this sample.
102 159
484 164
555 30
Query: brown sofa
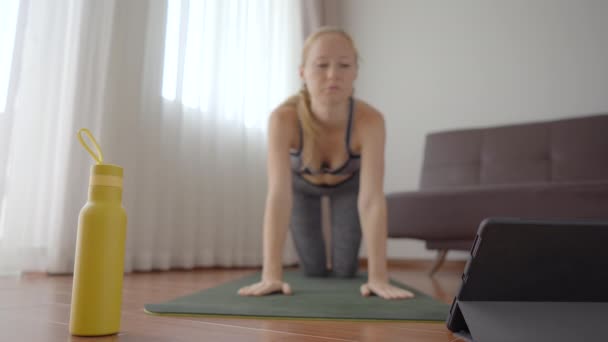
543 170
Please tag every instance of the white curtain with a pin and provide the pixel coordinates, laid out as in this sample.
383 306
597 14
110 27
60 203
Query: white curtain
176 92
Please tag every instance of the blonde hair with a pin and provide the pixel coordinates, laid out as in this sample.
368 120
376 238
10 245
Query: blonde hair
301 100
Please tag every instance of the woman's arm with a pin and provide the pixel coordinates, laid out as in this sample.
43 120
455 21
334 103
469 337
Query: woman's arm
372 208
278 205
279 197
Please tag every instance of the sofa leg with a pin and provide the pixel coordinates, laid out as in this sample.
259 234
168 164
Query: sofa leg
441 254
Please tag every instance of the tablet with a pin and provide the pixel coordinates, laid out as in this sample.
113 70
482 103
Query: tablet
527 271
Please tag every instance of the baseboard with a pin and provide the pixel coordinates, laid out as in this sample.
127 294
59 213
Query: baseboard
404 264
421 264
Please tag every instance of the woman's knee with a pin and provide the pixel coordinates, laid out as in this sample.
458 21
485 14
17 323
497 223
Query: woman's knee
345 272
316 272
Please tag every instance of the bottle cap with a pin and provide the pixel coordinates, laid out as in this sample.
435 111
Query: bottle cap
106 170
101 174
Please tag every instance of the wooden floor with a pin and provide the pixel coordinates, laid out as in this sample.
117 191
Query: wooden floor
36 307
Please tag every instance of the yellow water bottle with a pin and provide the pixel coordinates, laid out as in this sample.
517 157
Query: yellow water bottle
100 250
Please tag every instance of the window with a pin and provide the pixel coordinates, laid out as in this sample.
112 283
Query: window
8 27
228 58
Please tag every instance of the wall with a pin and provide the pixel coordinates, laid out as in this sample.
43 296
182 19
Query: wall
432 65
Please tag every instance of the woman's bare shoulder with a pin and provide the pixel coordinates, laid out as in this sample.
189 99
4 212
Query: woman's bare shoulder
283 122
367 115
285 113
368 125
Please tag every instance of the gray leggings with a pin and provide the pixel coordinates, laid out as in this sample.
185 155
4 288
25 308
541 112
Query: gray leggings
307 231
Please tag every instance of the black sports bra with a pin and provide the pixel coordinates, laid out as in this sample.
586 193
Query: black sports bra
351 165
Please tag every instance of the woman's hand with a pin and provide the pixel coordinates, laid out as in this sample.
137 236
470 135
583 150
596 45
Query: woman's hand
385 290
265 287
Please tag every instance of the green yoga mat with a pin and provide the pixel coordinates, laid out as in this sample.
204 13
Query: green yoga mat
316 298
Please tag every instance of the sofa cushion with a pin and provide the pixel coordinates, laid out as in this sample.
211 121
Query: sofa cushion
455 214
554 151
515 154
451 159
579 149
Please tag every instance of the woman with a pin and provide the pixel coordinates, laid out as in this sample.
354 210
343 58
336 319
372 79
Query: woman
323 142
